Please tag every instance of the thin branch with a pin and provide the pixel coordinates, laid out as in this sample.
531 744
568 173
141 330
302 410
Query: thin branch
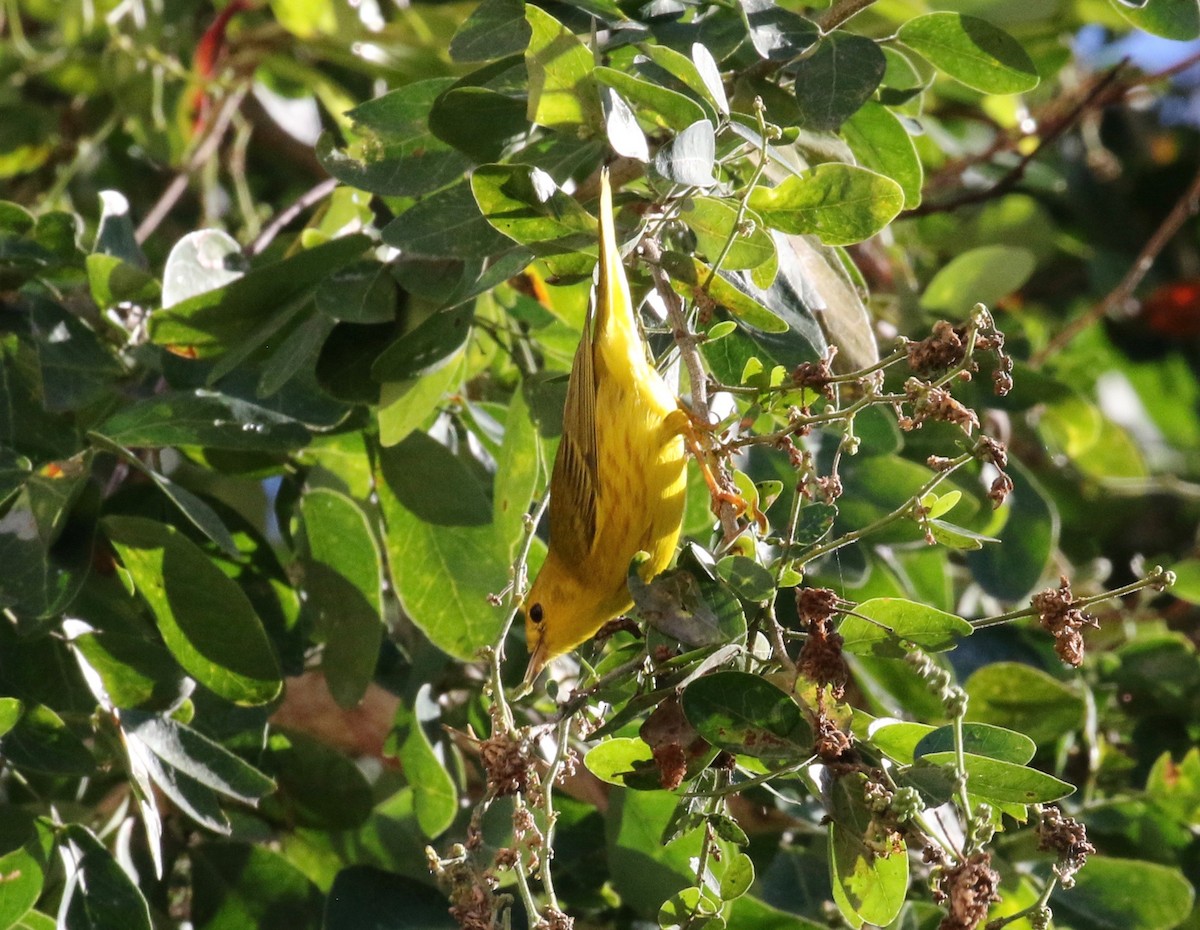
204 151
690 353
1185 208
311 197
1096 95
841 12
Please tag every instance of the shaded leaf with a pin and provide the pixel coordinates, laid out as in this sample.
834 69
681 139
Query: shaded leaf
836 78
746 714
562 94
205 618
99 895
690 157
971 50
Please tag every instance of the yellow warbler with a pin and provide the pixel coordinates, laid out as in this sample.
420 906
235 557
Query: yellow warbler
619 477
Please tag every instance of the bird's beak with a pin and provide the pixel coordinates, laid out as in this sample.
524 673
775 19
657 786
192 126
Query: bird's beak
537 662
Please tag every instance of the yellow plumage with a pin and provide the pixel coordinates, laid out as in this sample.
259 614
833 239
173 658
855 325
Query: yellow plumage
619 478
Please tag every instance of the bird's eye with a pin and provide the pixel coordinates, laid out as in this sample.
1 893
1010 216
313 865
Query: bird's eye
535 613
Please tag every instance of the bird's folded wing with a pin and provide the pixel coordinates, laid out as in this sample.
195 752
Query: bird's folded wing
575 482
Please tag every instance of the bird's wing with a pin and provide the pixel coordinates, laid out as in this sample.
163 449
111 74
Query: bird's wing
574 483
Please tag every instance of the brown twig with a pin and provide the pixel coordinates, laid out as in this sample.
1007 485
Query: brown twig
313 195
1185 207
204 151
1096 95
688 350
840 12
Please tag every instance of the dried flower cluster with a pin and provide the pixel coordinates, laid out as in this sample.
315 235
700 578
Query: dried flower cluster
967 889
1067 839
474 905
507 761
1063 620
935 403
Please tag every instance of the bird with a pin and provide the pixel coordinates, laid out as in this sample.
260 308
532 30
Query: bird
619 480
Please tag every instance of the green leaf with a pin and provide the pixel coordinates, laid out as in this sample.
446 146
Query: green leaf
899 741
689 276
746 714
479 121
779 34
749 913
76 368
985 275
662 106
839 203
150 773
10 713
41 742
201 515
836 78
611 760
868 867
134 671
689 607
115 235
202 418
1187 580
363 292
1024 699
343 574
202 261
750 580
427 348
244 312
1171 19
690 157
99 895
1012 569
319 787
236 885
22 865
446 555
363 897
205 618
898 622
972 51
395 153
494 29
980 739
621 128
1127 894
880 143
113 281
715 222
562 94
710 74
1000 782
41 582
684 70
445 224
528 207
518 468
434 795
644 871
406 405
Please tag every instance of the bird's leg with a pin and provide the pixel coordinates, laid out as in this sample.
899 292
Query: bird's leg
695 431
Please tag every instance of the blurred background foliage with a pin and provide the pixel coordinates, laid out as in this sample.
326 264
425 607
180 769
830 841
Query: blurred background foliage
280 382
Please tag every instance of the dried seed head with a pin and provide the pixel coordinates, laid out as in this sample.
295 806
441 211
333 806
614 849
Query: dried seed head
1062 620
967 889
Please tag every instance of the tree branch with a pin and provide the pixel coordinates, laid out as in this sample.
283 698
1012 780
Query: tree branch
1185 208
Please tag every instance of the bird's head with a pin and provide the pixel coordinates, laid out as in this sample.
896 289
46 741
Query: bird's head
560 613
